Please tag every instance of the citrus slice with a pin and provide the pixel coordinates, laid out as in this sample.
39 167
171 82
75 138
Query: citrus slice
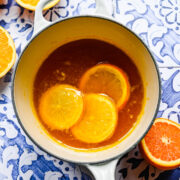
61 106
7 52
107 79
98 121
31 4
161 145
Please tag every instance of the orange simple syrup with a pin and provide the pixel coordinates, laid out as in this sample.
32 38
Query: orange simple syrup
68 63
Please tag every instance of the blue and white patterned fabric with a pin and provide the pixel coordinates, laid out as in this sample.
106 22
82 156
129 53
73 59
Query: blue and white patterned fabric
156 22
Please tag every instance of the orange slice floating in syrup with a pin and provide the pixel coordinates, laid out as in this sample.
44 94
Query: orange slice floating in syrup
107 79
98 121
61 107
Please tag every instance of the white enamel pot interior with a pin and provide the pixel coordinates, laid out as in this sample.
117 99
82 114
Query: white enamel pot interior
49 36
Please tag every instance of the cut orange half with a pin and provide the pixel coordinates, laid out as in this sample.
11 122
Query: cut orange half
61 107
7 52
161 145
31 4
107 79
98 121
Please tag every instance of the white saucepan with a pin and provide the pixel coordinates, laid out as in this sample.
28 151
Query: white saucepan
47 37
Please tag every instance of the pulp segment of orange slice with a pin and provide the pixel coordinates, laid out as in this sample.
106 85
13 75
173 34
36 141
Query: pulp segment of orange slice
31 4
7 52
107 79
61 106
161 145
98 121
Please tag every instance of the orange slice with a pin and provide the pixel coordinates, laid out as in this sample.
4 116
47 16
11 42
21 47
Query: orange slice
61 106
98 121
7 52
31 4
107 79
161 145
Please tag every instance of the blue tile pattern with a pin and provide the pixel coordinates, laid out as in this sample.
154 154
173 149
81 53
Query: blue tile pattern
156 22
